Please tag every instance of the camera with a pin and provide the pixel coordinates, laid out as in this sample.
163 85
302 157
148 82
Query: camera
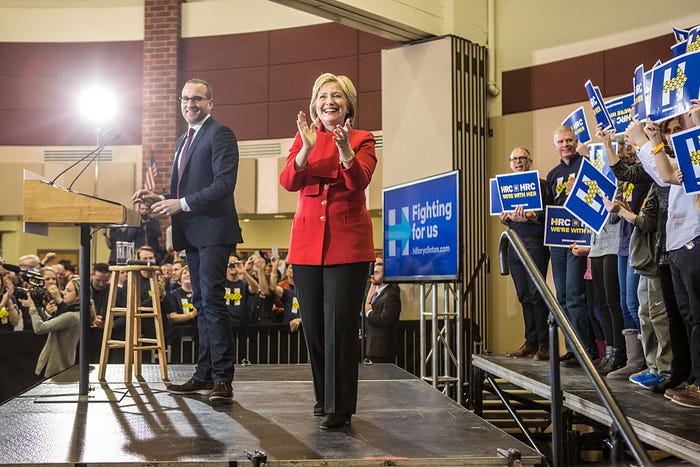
39 294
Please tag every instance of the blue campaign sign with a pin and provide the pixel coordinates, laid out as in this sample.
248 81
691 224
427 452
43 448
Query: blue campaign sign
620 111
596 100
673 84
680 34
640 102
494 198
686 145
563 228
600 160
586 198
679 48
421 230
520 189
577 121
693 41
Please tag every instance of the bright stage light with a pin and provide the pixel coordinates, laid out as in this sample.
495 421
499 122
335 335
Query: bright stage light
98 106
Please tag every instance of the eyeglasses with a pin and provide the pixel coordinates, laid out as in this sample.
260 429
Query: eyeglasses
519 159
195 99
233 265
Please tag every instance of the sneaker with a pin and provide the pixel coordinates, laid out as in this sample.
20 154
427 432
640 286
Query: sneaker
671 393
222 392
192 386
641 379
523 351
689 398
571 363
651 382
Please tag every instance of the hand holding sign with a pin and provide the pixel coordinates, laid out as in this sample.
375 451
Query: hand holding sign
694 111
651 129
635 132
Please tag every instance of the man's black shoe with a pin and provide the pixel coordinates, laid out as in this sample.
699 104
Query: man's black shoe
319 411
222 392
191 387
335 420
567 356
571 363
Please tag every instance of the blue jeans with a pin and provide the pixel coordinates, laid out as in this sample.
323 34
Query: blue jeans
629 282
568 271
207 267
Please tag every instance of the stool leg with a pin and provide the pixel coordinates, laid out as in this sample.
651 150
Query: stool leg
160 333
132 303
108 325
136 336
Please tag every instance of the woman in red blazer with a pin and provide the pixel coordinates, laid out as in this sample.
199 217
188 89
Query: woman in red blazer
331 164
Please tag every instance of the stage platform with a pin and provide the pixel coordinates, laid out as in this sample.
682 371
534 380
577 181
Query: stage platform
400 421
656 420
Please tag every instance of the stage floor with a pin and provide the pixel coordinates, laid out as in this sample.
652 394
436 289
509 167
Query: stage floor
656 420
400 420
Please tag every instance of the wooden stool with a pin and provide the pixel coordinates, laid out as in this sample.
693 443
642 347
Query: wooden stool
133 343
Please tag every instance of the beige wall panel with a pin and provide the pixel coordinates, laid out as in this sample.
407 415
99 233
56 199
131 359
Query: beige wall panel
416 116
245 186
268 186
286 201
374 191
12 179
116 182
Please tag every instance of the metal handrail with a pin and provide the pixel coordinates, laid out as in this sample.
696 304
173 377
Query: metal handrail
509 237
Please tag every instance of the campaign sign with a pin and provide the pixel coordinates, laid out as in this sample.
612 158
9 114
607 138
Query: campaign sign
586 198
520 189
577 121
640 102
693 42
495 199
686 145
679 48
421 230
600 160
680 34
563 228
673 84
620 111
596 100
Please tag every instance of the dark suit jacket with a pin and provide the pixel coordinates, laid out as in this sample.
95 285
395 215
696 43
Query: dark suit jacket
380 326
208 181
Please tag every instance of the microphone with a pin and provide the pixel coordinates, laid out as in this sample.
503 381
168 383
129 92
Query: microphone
93 153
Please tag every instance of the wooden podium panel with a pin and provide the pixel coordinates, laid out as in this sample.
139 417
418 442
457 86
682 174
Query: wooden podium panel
56 206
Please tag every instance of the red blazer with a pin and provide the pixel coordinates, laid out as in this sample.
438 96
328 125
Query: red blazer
331 224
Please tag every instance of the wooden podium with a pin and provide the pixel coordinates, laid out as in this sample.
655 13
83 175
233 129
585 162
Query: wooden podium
46 204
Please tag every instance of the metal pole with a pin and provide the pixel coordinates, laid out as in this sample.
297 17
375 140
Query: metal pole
460 342
447 336
422 331
436 325
84 309
557 398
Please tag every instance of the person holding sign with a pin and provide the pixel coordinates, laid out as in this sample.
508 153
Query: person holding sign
682 242
568 269
331 164
529 225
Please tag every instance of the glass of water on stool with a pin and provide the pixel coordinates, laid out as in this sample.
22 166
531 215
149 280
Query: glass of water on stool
125 252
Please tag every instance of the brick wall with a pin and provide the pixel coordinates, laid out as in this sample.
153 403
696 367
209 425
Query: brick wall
160 82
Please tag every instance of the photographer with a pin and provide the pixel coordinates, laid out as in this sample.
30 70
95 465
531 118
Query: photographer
62 327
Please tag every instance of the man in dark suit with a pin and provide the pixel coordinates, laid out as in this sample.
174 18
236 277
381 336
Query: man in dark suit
205 224
382 311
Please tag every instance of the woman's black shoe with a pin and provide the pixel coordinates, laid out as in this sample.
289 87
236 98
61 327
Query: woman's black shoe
335 420
319 410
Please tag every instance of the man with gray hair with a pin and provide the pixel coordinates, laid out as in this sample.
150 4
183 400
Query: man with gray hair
568 269
529 225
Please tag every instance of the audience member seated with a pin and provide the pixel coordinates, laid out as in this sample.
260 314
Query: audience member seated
9 313
99 291
263 303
